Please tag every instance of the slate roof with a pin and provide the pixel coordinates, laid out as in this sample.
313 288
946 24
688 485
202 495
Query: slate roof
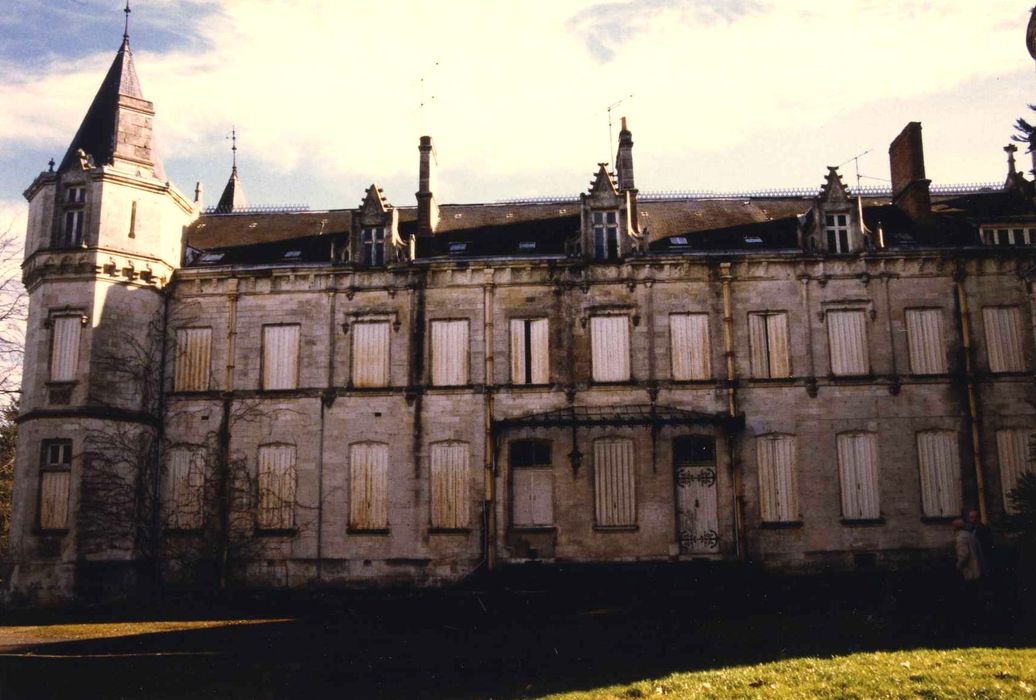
233 197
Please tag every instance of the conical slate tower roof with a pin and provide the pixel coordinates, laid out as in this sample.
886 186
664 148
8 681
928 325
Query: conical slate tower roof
98 135
233 197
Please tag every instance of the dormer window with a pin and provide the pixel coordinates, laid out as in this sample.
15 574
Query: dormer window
75 195
1003 236
292 255
72 224
527 245
836 228
457 248
606 235
373 242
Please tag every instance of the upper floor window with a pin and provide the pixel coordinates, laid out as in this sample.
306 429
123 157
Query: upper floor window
926 341
370 353
193 353
72 233
1004 345
610 348
1003 235
75 194
529 351
450 353
55 484
689 346
768 341
847 339
64 347
280 357
836 229
372 241
606 235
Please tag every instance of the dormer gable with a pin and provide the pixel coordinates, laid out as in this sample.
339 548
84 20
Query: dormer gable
608 225
835 224
375 240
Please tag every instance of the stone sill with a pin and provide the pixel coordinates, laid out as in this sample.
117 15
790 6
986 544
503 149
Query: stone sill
616 528
938 519
862 522
367 531
780 524
274 532
449 530
533 528
180 532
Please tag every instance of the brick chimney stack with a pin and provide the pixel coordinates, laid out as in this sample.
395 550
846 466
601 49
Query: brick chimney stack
909 185
427 209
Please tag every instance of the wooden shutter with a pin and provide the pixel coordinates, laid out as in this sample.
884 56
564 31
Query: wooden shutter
368 486
276 487
54 491
186 490
1014 454
533 494
280 357
610 348
450 349
689 346
847 338
1004 338
64 351
768 342
449 476
193 359
530 351
778 497
370 354
858 470
938 460
926 341
614 490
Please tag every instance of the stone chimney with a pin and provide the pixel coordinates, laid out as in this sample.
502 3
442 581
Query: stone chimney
909 185
427 209
624 159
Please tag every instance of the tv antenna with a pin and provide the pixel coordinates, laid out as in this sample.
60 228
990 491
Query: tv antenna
423 99
612 106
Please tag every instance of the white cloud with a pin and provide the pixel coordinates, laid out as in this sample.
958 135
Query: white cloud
333 88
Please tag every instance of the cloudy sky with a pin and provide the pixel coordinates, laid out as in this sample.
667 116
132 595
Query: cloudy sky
327 95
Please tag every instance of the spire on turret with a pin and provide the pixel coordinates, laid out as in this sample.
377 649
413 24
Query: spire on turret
117 127
233 197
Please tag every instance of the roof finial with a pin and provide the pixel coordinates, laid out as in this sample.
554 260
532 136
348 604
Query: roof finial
233 147
1010 149
125 32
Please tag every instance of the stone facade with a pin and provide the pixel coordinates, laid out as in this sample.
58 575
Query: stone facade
406 395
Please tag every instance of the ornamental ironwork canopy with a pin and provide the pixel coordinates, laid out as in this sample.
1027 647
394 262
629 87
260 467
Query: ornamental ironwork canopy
628 414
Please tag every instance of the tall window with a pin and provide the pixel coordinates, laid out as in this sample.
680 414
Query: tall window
64 347
938 461
1004 345
858 472
529 351
778 494
532 483
1015 457
615 500
847 339
836 227
768 338
280 357
370 353
689 350
72 226
606 235
449 485
185 490
55 484
193 358
368 486
373 243
450 348
926 341
610 348
277 482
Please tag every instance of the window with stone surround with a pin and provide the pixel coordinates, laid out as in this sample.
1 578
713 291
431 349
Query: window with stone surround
926 341
193 359
610 348
64 347
1014 454
858 475
450 350
778 491
372 244
449 476
370 353
280 356
277 483
55 485
530 351
847 340
605 234
185 489
938 462
768 342
368 486
836 231
689 347
532 483
615 497
1004 344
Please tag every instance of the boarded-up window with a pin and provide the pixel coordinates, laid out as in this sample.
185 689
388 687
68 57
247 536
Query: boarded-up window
185 490
450 350
1015 457
615 502
847 337
610 348
939 463
55 484
370 353
530 351
778 495
368 486
1004 338
926 341
449 476
532 478
64 348
193 353
276 509
768 338
280 357
689 346
858 470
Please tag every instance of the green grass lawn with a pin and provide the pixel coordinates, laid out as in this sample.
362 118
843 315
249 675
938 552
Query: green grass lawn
956 673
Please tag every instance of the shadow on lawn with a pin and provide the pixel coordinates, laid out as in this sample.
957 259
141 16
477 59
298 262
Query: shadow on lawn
569 631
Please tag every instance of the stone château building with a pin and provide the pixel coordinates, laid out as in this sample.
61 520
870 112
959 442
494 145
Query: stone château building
407 394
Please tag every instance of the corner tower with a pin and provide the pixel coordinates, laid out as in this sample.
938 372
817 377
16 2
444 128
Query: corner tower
103 239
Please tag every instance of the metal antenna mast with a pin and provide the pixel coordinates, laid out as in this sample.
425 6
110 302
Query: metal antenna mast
612 106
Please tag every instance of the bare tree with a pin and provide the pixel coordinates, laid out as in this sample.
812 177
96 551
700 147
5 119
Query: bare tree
13 309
